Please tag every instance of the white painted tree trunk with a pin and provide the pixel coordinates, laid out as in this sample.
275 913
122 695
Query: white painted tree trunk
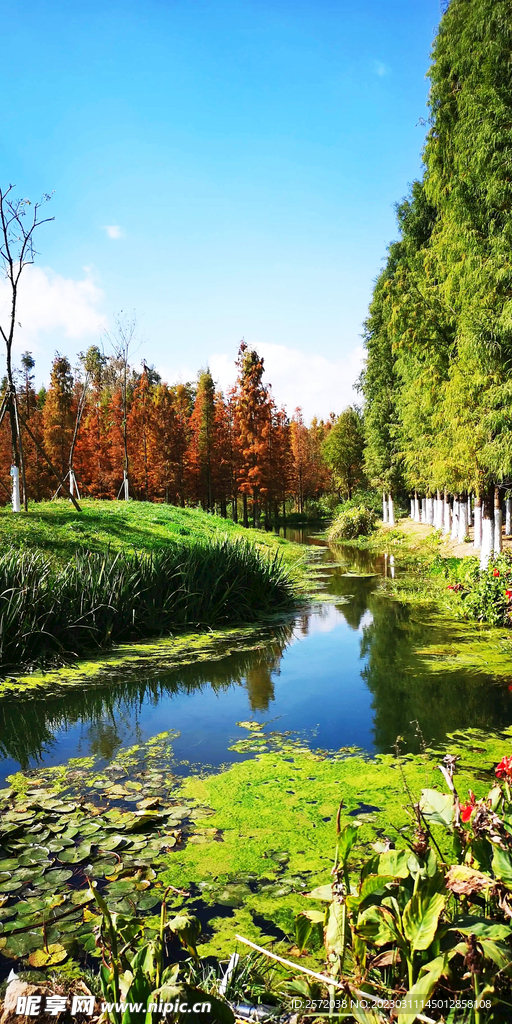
470 523
392 566
391 510
384 508
438 518
416 509
412 508
477 532
126 486
430 511
455 519
447 517
508 517
463 522
497 545
487 541
423 510
15 474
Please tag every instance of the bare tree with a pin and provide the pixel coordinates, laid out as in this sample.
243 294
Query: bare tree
17 251
121 341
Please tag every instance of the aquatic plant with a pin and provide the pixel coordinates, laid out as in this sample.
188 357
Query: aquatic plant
351 523
97 599
417 929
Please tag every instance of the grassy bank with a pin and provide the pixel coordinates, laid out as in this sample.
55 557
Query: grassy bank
70 584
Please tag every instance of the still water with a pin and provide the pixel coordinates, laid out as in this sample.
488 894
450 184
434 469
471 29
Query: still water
343 672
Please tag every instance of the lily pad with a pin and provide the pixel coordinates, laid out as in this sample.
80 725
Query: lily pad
57 877
75 854
11 886
48 957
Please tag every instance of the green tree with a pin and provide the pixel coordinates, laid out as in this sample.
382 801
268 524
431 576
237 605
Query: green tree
343 450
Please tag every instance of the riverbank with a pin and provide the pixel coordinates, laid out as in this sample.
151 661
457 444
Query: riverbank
70 584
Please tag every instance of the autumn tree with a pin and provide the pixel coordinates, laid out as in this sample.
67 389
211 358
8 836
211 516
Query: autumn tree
252 424
59 414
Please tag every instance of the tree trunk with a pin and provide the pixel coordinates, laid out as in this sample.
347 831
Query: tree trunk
15 473
391 510
477 516
487 529
430 511
446 515
246 517
463 521
416 508
455 517
470 523
385 518
508 517
412 508
423 510
497 545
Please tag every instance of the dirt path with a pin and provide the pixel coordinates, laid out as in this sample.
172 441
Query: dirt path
448 547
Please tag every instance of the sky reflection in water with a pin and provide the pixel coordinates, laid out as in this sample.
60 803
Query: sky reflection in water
342 673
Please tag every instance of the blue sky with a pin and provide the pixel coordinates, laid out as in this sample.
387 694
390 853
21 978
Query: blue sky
224 169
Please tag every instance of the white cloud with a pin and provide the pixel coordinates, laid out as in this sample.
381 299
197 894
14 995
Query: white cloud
317 384
52 305
113 230
379 68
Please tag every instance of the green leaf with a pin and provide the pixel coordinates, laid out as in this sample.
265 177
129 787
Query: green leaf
482 927
303 929
374 883
333 931
379 925
421 992
346 840
322 892
502 866
421 917
437 807
394 863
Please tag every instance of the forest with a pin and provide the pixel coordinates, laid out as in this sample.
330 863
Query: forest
114 432
437 382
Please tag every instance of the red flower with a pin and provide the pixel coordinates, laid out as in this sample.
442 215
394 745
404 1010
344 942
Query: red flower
504 769
450 587
508 595
495 572
466 810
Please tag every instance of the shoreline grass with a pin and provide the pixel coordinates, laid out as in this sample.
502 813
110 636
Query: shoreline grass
72 585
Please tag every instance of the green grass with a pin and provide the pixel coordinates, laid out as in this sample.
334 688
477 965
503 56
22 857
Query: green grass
73 582
55 528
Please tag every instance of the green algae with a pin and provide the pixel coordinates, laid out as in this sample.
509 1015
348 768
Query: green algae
283 804
131 659
252 838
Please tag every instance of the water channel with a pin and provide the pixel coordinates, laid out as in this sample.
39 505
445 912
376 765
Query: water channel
342 672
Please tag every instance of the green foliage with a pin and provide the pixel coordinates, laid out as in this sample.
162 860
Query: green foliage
350 523
343 451
486 593
97 599
437 944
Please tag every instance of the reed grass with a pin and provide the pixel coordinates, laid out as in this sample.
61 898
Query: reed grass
50 612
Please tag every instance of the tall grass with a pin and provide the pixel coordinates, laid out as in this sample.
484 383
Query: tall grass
97 599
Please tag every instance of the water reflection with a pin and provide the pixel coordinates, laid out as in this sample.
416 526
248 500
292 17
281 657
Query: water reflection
345 671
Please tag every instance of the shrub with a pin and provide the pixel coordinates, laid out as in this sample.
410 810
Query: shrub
487 593
351 523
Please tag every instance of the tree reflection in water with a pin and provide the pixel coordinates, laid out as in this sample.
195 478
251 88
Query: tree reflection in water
408 686
28 728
